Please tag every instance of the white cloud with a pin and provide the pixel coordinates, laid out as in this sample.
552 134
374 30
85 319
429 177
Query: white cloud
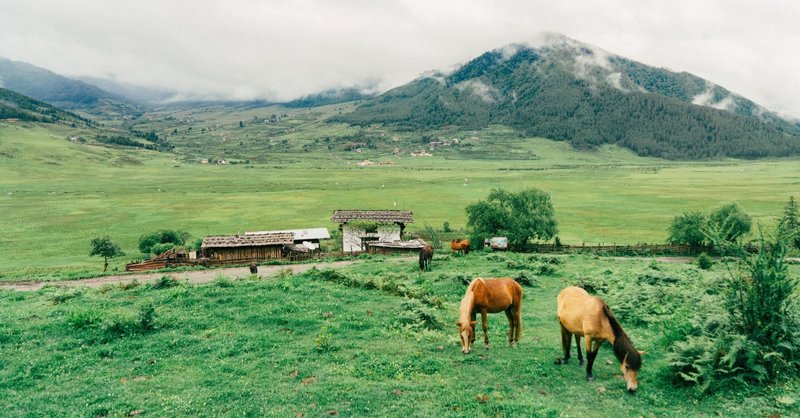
280 50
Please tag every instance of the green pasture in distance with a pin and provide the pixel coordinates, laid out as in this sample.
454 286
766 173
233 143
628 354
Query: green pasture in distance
305 345
55 196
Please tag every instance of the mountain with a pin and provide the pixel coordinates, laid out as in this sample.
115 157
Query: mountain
132 92
17 106
63 92
562 89
331 96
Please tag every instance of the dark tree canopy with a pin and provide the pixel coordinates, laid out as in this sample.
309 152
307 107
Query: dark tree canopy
728 223
520 217
104 247
687 229
165 236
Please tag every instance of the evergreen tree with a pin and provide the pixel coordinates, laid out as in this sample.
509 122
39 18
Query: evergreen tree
789 223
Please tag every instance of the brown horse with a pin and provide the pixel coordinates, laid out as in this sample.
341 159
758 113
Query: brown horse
490 296
425 257
581 314
459 245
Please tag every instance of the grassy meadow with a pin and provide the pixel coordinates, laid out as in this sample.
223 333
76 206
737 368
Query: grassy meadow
372 339
55 196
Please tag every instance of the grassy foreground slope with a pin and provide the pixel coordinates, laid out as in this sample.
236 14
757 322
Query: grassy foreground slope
55 196
348 343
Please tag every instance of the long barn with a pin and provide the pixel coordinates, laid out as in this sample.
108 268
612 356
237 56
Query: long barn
251 247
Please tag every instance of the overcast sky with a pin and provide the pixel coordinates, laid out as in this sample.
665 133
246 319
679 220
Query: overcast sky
279 50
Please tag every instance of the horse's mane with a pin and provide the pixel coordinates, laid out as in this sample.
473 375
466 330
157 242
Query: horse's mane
622 344
469 298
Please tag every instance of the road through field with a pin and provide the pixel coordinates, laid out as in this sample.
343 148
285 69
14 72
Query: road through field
192 277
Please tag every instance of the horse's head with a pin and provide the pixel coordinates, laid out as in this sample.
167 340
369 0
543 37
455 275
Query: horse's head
466 331
630 369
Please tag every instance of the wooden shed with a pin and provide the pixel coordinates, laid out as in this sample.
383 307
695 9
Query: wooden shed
252 247
359 227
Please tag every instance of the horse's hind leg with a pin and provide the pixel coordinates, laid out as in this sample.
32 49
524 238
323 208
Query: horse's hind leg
511 326
578 346
566 340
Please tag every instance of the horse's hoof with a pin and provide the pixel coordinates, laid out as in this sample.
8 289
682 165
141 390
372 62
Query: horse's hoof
580 362
560 361
590 378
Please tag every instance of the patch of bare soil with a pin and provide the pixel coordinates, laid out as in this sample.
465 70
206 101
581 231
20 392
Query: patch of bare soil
192 277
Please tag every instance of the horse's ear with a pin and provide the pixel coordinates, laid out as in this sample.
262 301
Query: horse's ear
641 353
458 324
472 322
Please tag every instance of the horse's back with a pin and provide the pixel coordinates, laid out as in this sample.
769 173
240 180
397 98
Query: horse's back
497 294
581 313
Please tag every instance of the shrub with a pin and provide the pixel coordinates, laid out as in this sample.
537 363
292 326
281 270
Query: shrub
162 248
147 318
323 343
704 261
164 236
165 282
415 314
84 318
756 342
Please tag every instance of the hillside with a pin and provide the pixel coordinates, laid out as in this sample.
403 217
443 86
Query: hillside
565 90
47 86
17 106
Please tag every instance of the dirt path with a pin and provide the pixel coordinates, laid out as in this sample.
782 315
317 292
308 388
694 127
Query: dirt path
193 277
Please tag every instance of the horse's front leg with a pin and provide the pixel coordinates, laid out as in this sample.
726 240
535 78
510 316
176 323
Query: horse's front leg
485 329
472 334
592 347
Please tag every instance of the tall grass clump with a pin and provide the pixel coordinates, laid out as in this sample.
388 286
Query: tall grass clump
754 341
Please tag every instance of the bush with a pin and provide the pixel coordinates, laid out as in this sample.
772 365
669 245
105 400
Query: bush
164 236
756 342
165 282
84 318
704 261
323 343
415 314
161 248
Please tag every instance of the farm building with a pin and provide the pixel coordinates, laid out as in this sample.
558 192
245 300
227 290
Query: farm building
246 247
360 227
309 238
396 247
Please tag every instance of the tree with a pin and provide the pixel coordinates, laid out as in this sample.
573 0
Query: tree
687 229
164 236
518 216
790 224
761 307
727 225
104 247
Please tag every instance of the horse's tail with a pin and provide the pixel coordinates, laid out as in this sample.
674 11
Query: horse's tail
622 344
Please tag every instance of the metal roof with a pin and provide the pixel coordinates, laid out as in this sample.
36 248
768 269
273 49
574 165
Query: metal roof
401 216
300 234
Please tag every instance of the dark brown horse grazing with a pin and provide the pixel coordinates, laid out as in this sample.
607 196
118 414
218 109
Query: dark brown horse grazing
581 314
459 245
425 257
253 268
490 296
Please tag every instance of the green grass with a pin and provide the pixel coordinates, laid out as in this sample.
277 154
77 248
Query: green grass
320 343
55 196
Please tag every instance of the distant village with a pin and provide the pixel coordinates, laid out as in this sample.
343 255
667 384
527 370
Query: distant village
373 231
